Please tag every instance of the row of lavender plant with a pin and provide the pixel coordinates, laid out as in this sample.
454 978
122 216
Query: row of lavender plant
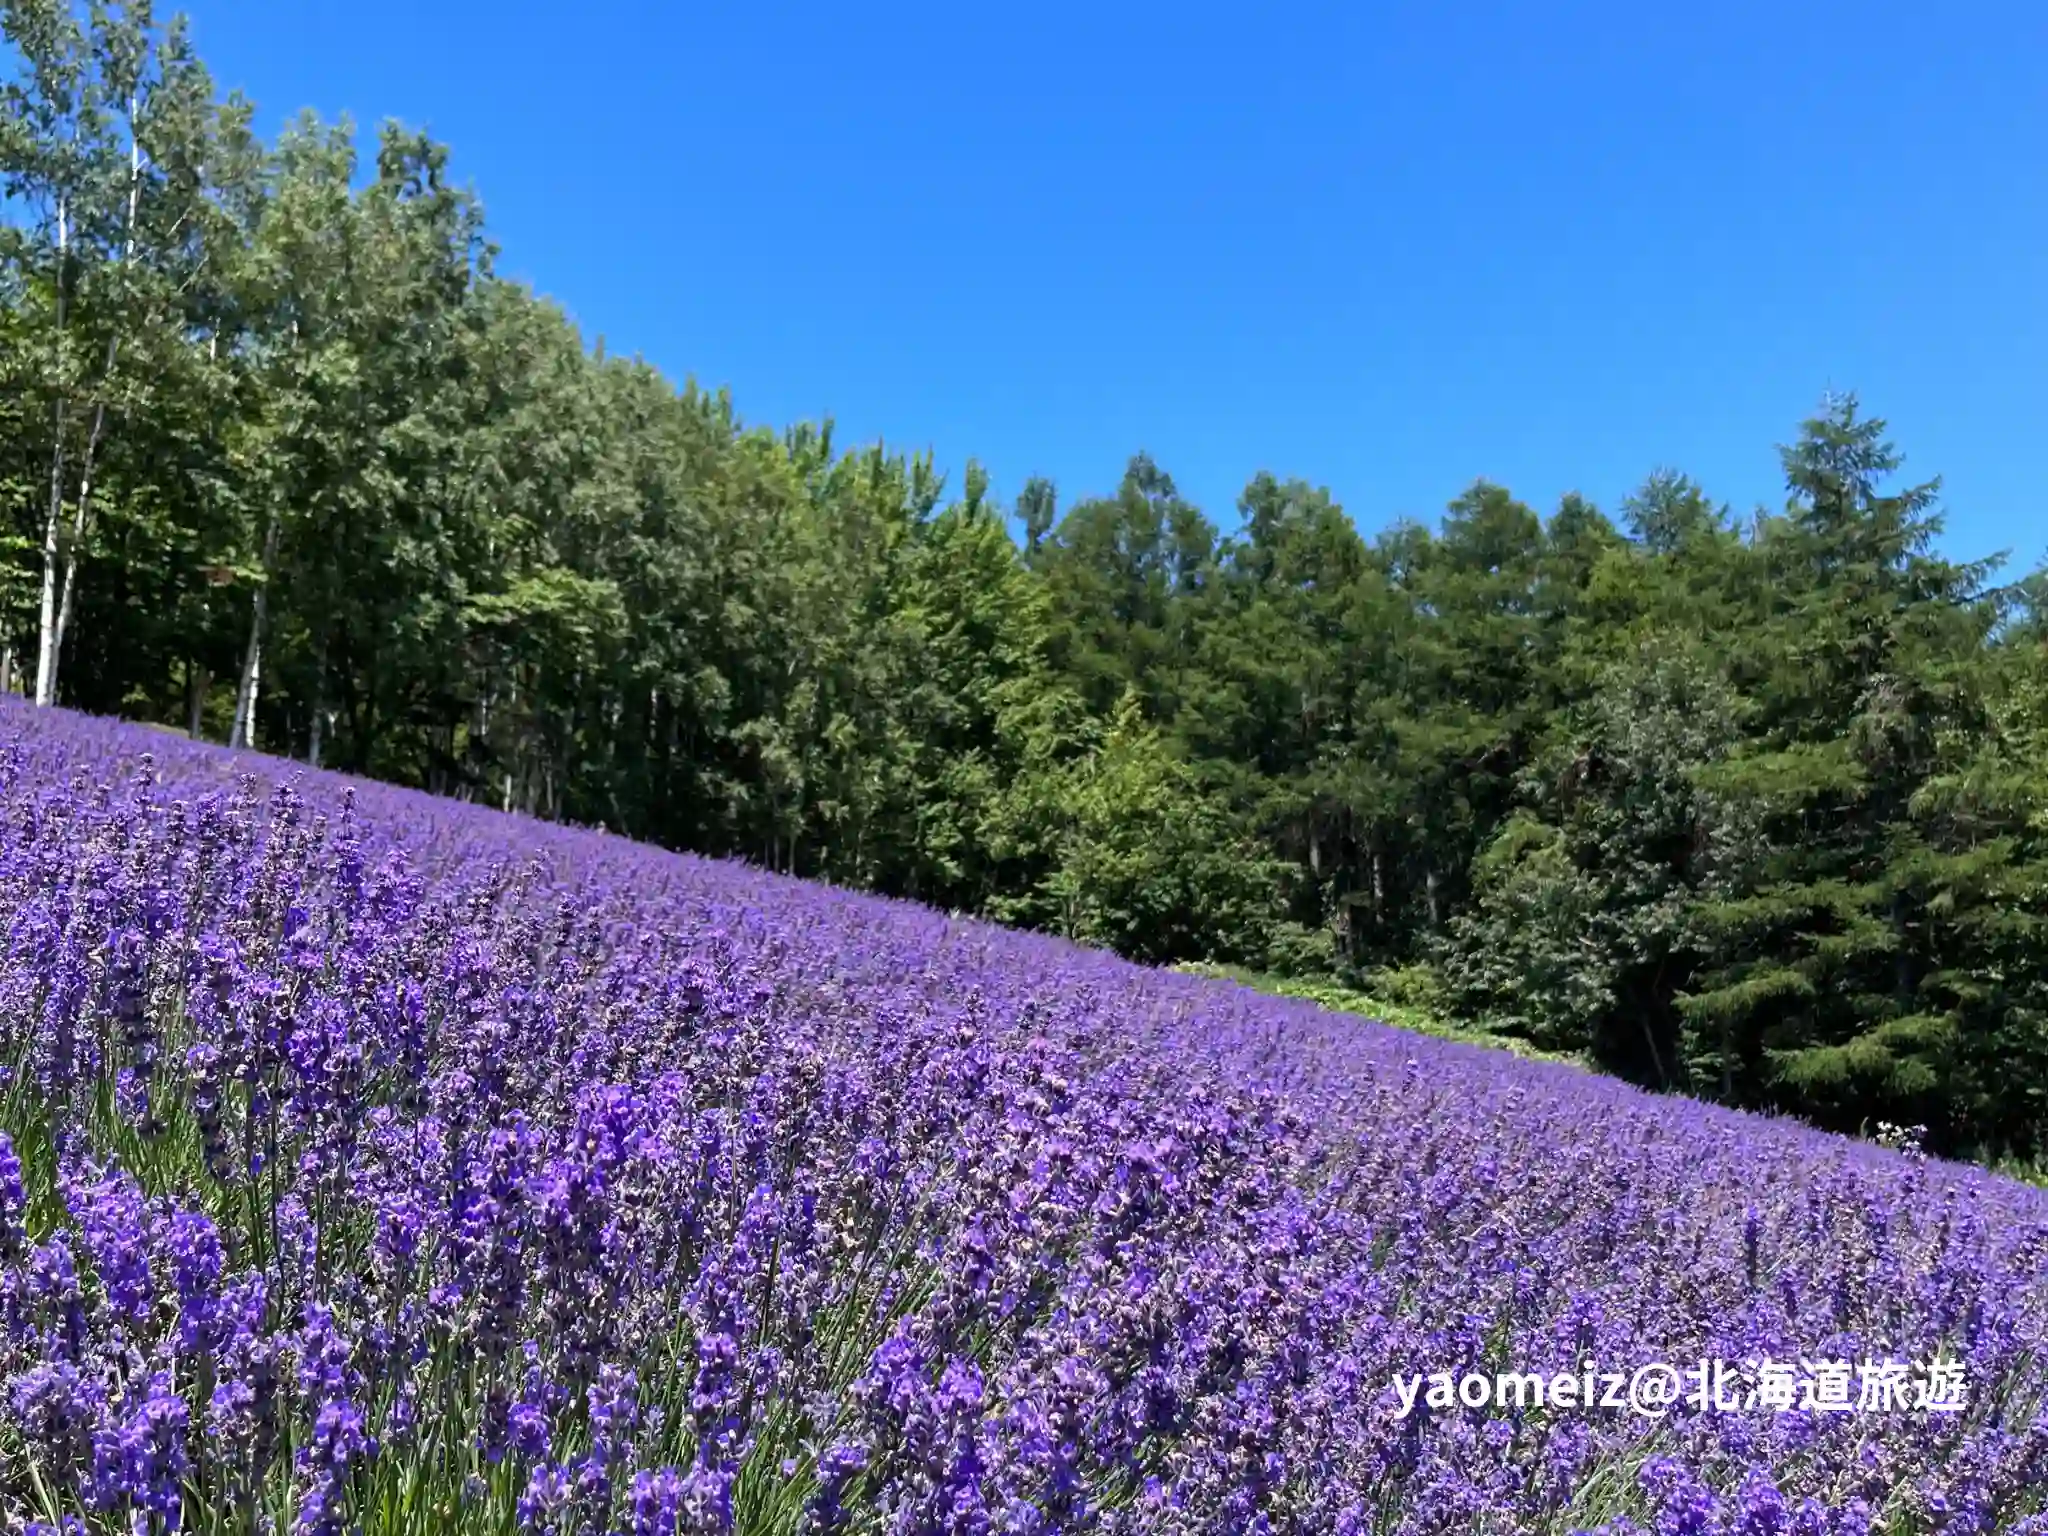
377 1163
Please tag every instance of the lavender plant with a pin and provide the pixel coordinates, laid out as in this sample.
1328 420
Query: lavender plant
372 1162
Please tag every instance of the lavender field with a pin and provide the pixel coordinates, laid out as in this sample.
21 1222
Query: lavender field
375 1162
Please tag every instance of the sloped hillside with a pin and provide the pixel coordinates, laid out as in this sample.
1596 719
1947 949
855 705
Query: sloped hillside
378 1162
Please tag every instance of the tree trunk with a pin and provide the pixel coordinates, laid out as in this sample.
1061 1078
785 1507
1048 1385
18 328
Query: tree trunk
77 541
195 698
1902 957
46 631
99 416
314 733
242 733
255 678
1656 1056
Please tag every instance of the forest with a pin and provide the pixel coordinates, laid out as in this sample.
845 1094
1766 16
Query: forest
1750 805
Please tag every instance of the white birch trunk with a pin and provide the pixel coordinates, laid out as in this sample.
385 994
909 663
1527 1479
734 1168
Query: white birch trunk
46 632
318 729
255 682
243 732
77 541
99 415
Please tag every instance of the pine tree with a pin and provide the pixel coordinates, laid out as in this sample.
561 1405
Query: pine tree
1827 940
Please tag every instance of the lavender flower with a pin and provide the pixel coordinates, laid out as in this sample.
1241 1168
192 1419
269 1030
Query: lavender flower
610 1191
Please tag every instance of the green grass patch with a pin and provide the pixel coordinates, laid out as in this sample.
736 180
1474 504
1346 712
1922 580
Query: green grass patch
1335 997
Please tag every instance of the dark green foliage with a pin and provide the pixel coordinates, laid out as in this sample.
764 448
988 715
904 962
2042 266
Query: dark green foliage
1585 918
1788 853
1136 857
1751 808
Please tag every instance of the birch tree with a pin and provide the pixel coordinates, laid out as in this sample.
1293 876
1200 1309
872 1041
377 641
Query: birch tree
164 101
54 138
293 291
90 256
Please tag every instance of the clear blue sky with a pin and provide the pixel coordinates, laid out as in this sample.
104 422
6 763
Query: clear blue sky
1388 249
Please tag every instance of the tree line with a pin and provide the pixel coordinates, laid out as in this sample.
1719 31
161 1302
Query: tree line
1749 806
